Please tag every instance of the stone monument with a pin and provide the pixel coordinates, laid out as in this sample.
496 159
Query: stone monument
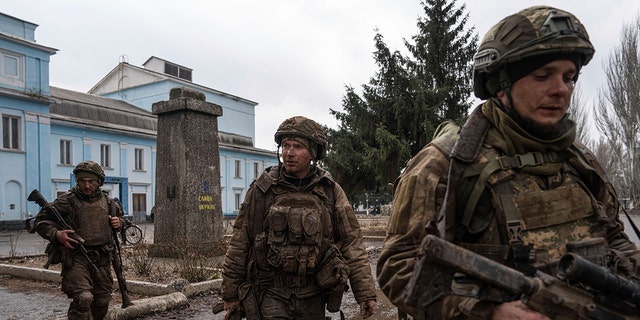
188 205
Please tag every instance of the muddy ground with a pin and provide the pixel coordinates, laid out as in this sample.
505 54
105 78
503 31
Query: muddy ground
37 300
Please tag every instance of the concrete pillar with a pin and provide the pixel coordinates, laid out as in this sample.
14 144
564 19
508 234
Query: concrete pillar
188 206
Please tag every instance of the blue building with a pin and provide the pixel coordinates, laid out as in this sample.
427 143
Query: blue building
47 130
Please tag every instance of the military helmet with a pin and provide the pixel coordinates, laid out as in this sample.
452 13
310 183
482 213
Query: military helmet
300 126
538 34
91 168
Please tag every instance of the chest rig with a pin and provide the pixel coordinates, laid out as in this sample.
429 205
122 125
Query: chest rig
292 229
542 212
535 215
296 222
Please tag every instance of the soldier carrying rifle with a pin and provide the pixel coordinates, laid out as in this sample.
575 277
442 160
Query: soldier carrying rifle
92 217
512 184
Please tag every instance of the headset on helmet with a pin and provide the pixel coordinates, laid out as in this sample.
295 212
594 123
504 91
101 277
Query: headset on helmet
91 167
532 33
305 128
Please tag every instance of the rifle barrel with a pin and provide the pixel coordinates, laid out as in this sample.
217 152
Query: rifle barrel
577 268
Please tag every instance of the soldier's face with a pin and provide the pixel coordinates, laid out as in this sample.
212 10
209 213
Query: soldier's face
296 158
88 186
543 96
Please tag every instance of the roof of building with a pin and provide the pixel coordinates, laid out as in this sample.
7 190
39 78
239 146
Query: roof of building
114 73
92 110
102 112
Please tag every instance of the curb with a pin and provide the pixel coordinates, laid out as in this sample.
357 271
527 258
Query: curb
148 305
163 296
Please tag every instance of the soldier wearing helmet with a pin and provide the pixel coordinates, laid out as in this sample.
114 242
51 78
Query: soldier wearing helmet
93 216
513 178
296 241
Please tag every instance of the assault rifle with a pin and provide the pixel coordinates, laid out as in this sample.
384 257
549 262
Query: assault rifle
582 289
116 262
38 198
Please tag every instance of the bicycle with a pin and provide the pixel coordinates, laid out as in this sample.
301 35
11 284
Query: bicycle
131 233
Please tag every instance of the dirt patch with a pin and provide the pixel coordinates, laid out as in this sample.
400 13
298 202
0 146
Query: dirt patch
165 270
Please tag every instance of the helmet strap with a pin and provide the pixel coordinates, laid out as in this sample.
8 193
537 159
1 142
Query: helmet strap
278 153
505 85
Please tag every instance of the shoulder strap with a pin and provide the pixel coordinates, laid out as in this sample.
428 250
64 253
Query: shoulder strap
257 213
464 151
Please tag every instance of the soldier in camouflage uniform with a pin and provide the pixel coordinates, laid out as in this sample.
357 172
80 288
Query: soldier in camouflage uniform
296 241
512 184
93 216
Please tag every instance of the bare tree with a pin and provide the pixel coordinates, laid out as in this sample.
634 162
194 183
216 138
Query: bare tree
606 154
579 113
618 108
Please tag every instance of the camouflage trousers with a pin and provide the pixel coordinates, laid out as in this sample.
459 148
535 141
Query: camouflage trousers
90 291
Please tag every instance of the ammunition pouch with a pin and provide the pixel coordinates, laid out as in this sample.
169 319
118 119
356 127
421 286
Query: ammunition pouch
333 271
30 225
100 255
54 254
248 301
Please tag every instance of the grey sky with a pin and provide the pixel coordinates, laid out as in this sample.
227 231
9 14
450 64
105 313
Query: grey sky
293 57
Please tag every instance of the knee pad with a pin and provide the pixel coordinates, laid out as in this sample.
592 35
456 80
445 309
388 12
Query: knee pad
83 300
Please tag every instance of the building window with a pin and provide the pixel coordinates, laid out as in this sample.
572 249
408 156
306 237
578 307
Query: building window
238 200
256 170
177 71
185 74
105 155
139 159
65 152
12 68
238 169
10 132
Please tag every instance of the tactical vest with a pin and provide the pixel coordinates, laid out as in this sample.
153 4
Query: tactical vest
295 228
295 231
529 215
91 222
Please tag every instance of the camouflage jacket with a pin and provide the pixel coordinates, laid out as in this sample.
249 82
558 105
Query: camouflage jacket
420 194
346 233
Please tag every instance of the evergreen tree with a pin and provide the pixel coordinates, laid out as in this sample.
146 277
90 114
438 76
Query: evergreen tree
403 103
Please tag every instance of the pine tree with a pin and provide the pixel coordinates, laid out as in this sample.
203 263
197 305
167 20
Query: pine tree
399 109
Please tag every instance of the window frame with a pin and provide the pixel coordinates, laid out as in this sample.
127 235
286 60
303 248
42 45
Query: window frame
237 169
66 152
11 132
237 199
105 155
17 79
256 170
138 159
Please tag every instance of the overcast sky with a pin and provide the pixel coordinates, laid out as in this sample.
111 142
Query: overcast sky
293 57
